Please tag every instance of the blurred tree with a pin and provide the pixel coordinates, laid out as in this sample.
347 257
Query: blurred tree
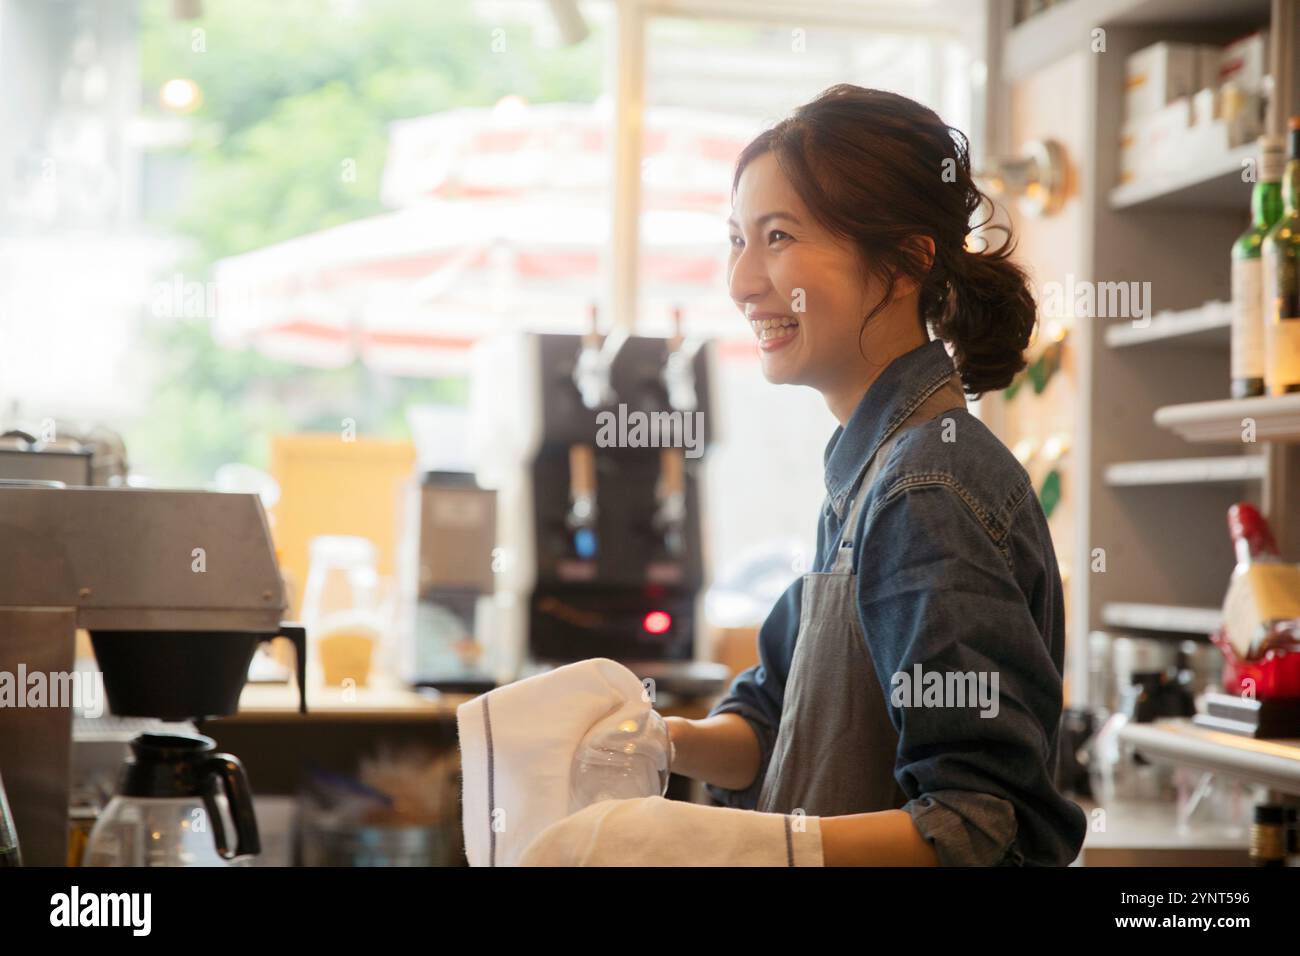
292 91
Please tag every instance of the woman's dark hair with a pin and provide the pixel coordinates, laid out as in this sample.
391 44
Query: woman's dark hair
881 170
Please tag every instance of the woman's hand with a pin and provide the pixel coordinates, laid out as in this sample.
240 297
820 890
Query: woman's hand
678 728
721 750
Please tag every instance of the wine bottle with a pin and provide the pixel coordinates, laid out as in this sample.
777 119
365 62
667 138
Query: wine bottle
1268 836
1247 273
1263 599
1281 250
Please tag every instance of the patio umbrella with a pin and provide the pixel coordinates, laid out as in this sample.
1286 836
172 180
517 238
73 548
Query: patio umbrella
500 228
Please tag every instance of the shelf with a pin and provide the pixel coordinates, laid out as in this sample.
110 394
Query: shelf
1067 27
1211 183
1277 418
1206 327
1271 763
1186 471
1168 618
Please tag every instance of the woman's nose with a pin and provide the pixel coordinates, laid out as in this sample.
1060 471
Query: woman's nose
748 279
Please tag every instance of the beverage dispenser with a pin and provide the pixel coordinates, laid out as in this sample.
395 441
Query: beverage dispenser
596 445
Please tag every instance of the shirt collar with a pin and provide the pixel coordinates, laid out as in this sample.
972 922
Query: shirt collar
905 383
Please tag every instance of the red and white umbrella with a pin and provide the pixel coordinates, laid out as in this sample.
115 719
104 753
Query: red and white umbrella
514 150
502 228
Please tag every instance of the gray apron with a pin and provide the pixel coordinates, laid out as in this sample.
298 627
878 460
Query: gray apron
836 747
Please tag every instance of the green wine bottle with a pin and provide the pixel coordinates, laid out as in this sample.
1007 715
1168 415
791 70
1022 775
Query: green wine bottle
1248 312
1282 280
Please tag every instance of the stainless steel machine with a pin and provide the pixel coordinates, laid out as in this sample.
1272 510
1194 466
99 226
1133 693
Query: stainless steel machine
176 590
448 582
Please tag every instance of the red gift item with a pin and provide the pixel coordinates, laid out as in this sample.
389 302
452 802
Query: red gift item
1247 525
1275 673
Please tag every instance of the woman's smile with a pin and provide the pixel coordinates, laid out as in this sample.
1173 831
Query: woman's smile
773 330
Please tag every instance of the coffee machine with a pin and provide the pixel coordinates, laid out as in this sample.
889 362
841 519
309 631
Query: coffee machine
176 590
596 446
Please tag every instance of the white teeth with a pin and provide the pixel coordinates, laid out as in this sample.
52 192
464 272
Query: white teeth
773 328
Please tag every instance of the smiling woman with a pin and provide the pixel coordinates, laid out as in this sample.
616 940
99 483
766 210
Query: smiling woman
848 251
854 216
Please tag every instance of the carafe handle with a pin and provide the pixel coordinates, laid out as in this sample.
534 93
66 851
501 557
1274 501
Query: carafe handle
229 772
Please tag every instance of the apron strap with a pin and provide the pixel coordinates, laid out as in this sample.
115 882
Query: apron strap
948 397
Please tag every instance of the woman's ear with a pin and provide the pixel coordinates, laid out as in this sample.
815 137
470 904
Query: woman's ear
924 249
920 249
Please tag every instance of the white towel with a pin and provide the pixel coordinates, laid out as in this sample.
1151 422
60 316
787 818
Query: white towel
652 831
517 745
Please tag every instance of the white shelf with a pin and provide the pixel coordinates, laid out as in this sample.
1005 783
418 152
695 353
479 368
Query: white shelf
1162 617
1271 763
1067 27
1186 471
1212 182
1276 417
1206 327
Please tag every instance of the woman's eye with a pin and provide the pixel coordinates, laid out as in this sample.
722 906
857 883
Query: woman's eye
776 235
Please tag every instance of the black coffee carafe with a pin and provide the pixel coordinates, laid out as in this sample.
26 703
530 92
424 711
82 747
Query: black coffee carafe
167 813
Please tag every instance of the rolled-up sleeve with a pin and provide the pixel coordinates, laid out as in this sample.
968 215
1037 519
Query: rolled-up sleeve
978 778
967 828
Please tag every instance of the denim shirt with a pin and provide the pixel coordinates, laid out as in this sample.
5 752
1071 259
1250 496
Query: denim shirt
955 572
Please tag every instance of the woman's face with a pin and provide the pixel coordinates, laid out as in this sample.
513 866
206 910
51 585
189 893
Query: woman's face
801 289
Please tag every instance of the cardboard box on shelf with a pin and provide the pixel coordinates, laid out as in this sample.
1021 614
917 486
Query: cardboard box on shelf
1210 123
1225 118
1156 76
1155 142
1206 105
1245 63
1209 60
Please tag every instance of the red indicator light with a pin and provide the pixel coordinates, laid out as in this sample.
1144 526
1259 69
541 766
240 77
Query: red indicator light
657 622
